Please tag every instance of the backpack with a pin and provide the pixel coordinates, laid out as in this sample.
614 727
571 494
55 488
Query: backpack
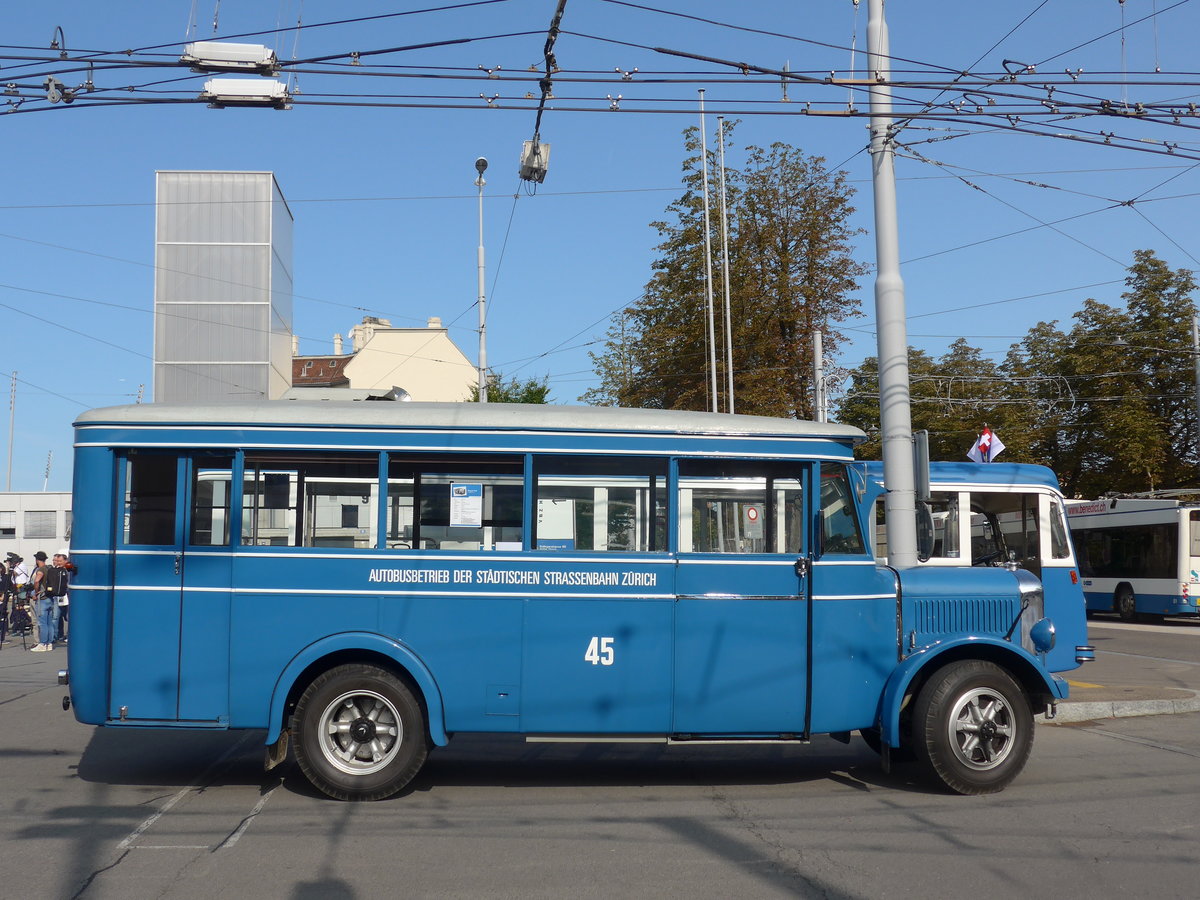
54 582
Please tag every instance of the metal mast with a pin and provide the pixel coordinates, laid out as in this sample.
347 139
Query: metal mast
895 412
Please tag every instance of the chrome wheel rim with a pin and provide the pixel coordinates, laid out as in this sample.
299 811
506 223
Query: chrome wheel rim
360 732
982 729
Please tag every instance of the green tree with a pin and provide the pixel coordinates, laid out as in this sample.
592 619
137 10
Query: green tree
1110 405
513 390
791 271
952 397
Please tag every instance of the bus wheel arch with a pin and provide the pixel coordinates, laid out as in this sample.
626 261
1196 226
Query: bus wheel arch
909 681
344 649
1125 602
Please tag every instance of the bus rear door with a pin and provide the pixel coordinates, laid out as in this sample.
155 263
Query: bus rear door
170 650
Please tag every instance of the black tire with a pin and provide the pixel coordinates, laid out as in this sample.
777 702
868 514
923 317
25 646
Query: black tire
1125 603
973 727
359 733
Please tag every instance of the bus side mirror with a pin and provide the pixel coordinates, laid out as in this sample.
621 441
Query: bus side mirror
924 513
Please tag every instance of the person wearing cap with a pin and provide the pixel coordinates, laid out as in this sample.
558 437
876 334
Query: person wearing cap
58 580
42 605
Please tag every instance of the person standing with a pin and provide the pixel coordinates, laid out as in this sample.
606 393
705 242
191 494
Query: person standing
7 589
18 570
58 579
42 605
18 574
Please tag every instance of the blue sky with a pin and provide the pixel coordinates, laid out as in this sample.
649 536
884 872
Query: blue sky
386 210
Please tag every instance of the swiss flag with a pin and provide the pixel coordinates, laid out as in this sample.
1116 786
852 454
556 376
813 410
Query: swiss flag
987 447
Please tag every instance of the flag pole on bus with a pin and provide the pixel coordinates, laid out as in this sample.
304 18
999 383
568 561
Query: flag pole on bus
986 447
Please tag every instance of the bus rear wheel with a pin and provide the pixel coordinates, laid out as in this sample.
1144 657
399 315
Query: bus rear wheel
973 727
360 733
1125 603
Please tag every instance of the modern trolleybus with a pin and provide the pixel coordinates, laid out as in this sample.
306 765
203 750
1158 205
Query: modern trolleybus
998 514
366 580
1137 556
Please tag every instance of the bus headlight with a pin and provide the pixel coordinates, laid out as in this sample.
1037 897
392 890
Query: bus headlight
1043 636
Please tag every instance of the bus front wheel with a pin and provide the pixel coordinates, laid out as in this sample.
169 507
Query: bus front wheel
360 733
973 727
1125 603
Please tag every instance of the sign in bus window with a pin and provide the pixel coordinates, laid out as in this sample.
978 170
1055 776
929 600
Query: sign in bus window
601 505
310 501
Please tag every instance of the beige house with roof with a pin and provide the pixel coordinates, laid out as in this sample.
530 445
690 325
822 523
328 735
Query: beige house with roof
423 362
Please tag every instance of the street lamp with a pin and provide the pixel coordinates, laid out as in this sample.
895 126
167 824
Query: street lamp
481 167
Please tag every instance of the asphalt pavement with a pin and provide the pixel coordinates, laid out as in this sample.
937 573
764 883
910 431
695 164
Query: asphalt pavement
1121 683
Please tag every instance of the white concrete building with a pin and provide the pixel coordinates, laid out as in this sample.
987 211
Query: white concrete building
34 520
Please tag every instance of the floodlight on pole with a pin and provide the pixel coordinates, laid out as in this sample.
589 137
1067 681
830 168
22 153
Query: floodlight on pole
481 165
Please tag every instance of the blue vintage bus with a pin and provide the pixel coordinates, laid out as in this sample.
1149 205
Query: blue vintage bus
365 580
997 514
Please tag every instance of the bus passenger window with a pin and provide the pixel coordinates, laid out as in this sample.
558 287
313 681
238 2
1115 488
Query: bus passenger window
600 505
150 499
740 506
839 515
455 503
212 482
310 500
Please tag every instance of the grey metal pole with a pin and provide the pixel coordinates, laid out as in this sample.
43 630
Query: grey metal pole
725 266
819 411
895 412
481 167
12 412
708 291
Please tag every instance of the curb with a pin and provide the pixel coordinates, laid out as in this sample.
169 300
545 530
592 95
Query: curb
1086 711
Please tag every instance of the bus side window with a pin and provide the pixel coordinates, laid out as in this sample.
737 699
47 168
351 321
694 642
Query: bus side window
310 500
839 516
1060 547
212 488
740 506
600 504
455 502
150 481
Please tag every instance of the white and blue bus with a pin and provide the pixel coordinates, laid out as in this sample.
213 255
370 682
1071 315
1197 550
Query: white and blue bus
1138 557
365 580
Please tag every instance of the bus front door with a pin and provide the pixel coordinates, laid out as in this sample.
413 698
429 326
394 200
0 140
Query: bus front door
170 634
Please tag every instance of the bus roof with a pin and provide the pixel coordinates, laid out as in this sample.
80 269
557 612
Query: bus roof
979 474
507 416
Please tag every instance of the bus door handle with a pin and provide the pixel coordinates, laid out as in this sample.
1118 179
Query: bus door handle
803 566
178 560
